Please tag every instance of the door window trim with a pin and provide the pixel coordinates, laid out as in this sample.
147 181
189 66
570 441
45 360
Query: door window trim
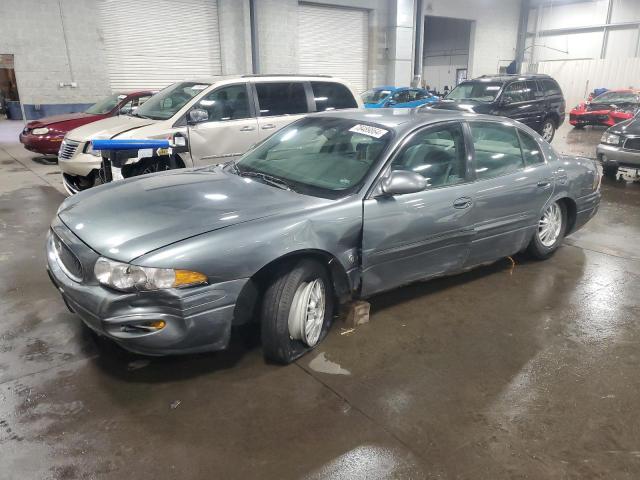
385 168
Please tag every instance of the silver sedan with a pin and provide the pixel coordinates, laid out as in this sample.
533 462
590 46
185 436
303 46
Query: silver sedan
338 205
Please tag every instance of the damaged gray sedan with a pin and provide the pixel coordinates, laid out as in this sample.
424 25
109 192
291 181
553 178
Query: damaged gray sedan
335 206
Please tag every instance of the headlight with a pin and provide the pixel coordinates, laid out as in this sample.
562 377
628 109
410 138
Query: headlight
90 150
40 131
128 278
610 138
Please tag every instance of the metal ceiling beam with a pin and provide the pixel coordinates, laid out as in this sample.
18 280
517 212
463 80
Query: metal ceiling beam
585 29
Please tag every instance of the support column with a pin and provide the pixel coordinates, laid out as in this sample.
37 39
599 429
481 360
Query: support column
401 40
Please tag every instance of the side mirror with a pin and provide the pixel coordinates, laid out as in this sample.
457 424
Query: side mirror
197 115
400 182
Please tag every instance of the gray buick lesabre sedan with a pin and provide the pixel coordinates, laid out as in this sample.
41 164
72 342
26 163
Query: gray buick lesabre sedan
335 206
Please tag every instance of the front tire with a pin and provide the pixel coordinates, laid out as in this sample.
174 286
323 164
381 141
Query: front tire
551 229
548 130
297 309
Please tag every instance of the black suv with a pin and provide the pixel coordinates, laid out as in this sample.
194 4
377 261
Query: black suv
535 100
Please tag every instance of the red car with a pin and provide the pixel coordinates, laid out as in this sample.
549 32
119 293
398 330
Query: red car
44 136
607 109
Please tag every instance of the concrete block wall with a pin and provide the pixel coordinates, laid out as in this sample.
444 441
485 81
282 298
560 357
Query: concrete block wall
32 31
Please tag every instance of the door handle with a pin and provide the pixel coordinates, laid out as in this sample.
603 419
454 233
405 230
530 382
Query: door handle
544 183
248 128
462 202
268 126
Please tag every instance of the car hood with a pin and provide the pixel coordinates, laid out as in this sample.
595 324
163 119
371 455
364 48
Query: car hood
628 127
109 127
464 106
55 119
124 220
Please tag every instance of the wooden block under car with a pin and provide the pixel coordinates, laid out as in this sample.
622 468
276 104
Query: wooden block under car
356 313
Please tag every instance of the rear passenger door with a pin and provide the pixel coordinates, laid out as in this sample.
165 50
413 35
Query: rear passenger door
513 184
279 104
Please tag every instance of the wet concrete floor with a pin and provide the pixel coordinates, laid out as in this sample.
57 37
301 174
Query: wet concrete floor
507 372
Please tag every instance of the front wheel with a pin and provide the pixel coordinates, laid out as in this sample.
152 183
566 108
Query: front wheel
297 309
548 130
551 229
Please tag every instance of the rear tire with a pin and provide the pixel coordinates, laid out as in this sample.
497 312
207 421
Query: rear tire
610 171
297 310
550 231
548 130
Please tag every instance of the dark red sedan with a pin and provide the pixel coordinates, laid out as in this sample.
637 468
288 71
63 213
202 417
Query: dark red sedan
44 136
607 109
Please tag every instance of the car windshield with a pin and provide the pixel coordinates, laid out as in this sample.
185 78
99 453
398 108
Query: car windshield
616 97
166 103
478 91
105 105
326 157
375 96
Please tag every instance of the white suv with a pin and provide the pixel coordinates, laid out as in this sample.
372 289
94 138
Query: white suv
233 114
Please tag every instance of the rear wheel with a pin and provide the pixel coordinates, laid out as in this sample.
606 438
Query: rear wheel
609 170
297 309
550 232
548 130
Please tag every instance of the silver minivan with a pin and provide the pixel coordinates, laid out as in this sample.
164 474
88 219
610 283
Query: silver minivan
221 118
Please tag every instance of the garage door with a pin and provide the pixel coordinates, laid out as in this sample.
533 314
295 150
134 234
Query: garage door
334 41
154 43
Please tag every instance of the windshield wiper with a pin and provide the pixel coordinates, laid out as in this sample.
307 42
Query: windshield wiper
266 178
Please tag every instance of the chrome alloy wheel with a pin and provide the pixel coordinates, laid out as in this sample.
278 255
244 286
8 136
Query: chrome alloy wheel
306 315
550 225
547 131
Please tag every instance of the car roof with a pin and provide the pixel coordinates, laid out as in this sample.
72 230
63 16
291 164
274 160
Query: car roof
509 77
277 76
402 120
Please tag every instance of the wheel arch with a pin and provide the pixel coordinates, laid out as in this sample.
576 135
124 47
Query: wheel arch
250 295
572 212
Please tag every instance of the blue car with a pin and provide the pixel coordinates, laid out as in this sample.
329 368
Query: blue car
397 97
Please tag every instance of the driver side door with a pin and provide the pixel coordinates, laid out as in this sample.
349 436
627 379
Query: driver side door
424 234
231 128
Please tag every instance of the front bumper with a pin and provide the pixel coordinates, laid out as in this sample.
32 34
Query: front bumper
618 156
605 118
196 319
42 144
81 164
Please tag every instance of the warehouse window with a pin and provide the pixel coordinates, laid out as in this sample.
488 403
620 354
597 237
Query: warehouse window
281 98
332 96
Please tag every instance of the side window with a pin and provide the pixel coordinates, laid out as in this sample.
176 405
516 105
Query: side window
437 154
401 97
421 94
530 149
332 96
281 98
140 100
497 149
226 103
127 107
551 87
533 87
517 92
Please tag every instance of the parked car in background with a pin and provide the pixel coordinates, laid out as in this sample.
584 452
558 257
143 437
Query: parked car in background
329 208
613 106
221 119
393 97
44 136
620 147
535 100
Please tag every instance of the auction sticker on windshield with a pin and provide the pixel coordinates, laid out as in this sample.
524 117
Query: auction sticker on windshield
374 132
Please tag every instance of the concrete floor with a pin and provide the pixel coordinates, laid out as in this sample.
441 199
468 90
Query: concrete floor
523 372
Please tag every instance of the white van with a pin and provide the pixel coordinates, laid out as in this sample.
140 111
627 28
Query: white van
232 114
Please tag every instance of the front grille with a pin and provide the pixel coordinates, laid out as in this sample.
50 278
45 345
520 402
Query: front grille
632 144
67 149
67 259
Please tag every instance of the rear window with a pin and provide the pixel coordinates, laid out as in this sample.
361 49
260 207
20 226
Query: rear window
332 96
281 98
550 87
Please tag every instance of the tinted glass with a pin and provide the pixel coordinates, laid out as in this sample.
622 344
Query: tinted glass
375 96
226 103
402 96
530 149
281 98
437 154
517 92
166 103
477 90
105 105
332 96
421 94
551 87
320 156
497 149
